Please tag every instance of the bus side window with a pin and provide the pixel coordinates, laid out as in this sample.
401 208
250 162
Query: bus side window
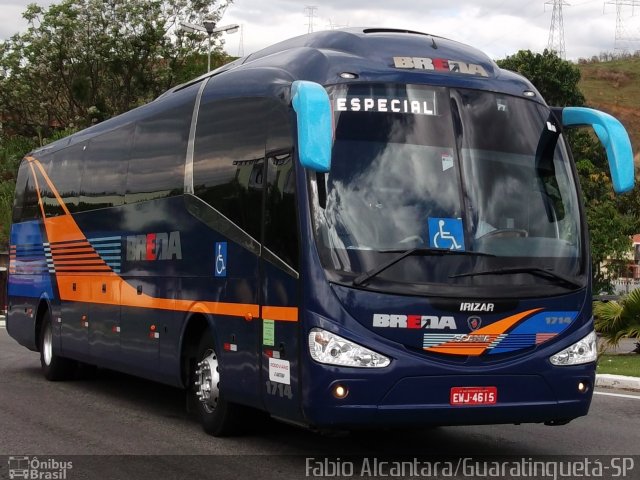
105 169
156 167
64 169
281 225
22 180
51 206
228 161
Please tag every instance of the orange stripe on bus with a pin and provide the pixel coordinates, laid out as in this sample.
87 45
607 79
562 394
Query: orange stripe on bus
35 180
285 314
78 256
51 186
89 261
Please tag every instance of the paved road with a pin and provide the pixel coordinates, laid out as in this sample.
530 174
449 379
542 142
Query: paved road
116 414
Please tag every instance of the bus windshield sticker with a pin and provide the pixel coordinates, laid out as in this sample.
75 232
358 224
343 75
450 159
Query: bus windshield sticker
415 103
268 333
446 233
279 371
447 161
221 259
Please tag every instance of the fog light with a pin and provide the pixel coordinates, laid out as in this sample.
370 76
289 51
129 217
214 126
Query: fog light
583 387
340 392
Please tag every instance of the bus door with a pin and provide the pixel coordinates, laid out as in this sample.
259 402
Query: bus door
280 336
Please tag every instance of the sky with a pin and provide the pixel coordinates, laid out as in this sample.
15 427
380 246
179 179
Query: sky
498 27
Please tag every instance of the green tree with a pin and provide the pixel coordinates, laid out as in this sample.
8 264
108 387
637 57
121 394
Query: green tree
556 79
81 61
618 320
612 219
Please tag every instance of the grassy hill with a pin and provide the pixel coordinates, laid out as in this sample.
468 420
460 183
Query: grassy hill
614 87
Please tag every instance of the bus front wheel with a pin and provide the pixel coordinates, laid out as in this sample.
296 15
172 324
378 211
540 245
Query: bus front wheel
54 367
218 417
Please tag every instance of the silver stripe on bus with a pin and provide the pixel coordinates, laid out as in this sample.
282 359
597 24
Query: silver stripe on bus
188 164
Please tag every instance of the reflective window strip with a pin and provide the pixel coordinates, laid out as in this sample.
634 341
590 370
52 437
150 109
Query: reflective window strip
188 166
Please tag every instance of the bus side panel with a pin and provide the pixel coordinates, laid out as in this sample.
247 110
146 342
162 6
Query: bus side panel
74 330
235 337
29 281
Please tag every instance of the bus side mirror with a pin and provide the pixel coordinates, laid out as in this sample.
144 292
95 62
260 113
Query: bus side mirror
613 136
315 136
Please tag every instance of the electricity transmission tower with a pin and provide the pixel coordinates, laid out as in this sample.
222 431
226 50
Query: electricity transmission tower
310 12
623 40
556 31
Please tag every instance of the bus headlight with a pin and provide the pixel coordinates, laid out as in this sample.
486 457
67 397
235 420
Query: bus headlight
329 348
583 351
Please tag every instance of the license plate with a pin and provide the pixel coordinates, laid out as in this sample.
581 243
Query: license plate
473 395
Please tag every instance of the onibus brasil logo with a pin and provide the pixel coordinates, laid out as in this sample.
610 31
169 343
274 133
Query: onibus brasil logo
34 468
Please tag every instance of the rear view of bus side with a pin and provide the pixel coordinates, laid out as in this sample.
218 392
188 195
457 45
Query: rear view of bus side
348 229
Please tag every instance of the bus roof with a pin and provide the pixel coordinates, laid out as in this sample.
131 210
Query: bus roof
381 55
342 56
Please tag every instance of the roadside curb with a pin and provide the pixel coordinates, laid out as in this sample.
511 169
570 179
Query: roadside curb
3 324
606 380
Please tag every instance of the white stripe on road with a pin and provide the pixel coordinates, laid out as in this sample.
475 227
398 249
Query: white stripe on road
621 395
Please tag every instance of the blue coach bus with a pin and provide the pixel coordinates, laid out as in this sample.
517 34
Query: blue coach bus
365 227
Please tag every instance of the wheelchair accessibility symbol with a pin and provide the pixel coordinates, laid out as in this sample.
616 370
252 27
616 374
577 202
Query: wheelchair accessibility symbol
221 259
446 233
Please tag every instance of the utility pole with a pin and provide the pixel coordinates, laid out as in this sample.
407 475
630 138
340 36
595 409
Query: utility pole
310 12
555 42
622 39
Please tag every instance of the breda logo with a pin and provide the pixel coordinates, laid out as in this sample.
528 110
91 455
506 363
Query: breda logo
154 246
429 322
439 65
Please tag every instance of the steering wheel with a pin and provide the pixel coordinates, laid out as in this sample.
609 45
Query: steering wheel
505 232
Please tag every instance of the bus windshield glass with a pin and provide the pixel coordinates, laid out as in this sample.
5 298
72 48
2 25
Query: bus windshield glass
431 168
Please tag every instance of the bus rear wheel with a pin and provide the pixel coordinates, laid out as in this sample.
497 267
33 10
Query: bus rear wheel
54 367
218 417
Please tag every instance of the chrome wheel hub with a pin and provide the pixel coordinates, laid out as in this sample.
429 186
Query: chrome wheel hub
47 346
207 381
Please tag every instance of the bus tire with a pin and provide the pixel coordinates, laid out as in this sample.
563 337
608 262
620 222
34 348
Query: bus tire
54 367
218 417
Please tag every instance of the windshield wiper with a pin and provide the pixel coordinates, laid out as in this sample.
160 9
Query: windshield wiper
541 272
407 253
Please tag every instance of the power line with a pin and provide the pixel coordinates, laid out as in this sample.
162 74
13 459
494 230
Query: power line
310 12
555 42
623 40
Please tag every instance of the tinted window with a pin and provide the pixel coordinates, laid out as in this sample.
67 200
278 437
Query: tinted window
51 206
105 169
228 163
281 226
25 203
64 169
156 168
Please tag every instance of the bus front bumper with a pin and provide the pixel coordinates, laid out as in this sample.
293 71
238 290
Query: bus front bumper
426 400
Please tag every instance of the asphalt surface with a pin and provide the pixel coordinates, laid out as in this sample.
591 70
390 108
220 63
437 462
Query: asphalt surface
116 415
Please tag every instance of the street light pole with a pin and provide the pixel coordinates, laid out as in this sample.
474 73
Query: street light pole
209 27
209 54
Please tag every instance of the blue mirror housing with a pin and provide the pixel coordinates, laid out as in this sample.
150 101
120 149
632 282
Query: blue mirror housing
315 135
613 136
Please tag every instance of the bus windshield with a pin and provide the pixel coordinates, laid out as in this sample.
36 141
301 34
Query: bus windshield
434 169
